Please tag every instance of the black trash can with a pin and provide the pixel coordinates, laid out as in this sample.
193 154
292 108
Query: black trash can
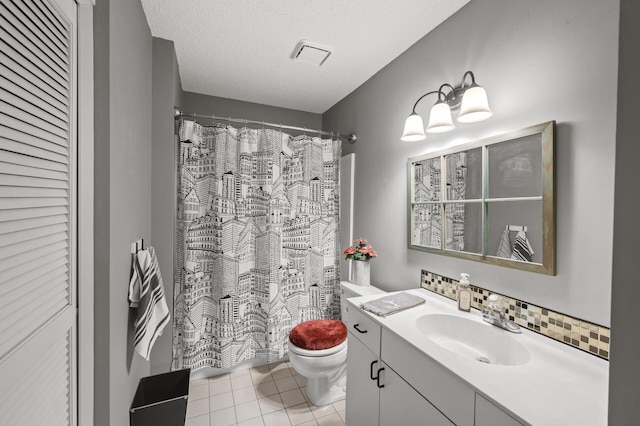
161 400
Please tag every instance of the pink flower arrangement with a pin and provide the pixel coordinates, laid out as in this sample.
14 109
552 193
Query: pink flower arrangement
361 250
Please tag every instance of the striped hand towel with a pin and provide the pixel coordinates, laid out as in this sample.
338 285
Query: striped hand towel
522 249
504 249
146 293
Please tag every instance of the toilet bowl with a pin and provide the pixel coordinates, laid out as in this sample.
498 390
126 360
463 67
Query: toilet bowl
318 351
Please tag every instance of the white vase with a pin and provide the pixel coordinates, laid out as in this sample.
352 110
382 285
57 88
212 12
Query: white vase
360 272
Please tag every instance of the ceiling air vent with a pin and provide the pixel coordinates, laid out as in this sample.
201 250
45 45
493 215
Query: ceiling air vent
311 53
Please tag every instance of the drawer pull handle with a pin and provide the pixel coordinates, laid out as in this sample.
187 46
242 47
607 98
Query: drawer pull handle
359 331
378 378
371 370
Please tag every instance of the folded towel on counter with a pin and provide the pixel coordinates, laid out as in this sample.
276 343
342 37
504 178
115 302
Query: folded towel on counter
392 304
146 293
522 249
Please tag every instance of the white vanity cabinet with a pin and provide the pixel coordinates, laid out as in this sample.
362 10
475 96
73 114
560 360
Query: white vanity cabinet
487 414
377 395
392 383
402 405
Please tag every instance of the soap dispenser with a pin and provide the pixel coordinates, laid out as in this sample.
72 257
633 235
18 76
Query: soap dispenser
464 293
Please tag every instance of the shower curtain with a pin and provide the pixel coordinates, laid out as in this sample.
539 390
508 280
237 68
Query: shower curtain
257 242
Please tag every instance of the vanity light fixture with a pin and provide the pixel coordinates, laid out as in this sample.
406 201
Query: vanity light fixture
471 99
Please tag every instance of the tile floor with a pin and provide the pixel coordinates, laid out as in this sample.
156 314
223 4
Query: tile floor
270 395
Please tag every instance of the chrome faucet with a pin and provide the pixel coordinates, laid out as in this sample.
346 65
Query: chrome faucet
494 314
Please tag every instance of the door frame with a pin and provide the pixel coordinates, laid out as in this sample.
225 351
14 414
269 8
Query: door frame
85 215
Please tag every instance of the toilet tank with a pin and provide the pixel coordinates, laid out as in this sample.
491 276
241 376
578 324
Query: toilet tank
348 290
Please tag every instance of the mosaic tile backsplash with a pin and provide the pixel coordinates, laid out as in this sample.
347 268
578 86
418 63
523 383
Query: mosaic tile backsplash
584 335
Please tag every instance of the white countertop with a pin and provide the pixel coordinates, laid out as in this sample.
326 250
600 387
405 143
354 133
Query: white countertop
560 385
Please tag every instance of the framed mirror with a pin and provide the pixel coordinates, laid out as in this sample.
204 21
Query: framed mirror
491 200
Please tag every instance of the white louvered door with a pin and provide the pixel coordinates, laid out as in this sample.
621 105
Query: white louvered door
37 212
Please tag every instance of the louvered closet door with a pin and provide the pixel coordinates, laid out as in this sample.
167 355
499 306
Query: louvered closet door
37 213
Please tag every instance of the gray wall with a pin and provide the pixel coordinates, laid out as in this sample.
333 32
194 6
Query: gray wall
122 195
167 93
624 370
539 61
223 107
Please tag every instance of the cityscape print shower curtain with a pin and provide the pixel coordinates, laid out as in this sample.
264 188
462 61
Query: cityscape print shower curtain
257 242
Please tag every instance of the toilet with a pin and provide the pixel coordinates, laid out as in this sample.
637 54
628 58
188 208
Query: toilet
318 350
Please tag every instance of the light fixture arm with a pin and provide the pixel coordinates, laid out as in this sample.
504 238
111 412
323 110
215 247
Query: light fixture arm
473 79
441 97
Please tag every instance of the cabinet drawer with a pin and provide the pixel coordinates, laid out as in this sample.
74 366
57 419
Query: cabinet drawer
364 329
450 394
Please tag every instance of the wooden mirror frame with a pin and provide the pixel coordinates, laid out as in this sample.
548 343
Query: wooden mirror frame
548 265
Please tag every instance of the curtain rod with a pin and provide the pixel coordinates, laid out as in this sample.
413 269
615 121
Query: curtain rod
351 138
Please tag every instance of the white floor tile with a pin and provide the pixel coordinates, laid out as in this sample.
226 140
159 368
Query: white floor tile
240 382
219 378
343 416
248 410
266 395
281 373
339 405
226 417
198 382
266 389
292 397
261 374
330 420
300 380
198 407
257 421
199 392
221 386
198 421
278 365
243 395
218 402
277 418
304 392
270 404
300 414
238 373
322 411
286 384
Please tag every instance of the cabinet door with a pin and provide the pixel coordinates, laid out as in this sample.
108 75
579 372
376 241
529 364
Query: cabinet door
362 392
488 414
402 405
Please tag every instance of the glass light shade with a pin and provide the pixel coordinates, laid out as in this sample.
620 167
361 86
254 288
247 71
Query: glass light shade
475 106
413 129
440 119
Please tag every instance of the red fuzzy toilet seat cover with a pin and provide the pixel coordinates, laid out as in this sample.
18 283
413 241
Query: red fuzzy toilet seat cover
316 335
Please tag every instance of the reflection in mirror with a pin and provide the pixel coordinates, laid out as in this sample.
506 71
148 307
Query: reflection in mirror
464 227
427 229
427 180
515 168
491 201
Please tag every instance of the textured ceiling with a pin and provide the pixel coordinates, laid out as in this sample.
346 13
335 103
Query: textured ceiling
241 49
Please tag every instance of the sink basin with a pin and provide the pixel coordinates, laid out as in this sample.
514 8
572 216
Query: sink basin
474 340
